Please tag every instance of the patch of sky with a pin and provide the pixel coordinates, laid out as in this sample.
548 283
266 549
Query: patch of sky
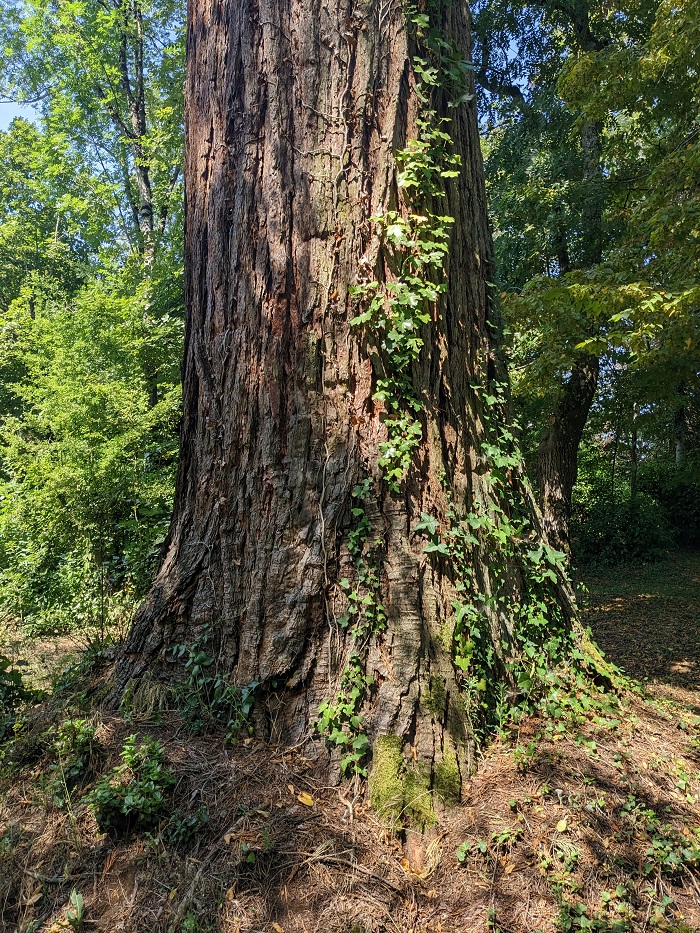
9 110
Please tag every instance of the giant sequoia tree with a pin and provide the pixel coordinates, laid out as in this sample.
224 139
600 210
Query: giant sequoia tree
350 520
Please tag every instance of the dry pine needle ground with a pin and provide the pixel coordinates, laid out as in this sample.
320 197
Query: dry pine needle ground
585 819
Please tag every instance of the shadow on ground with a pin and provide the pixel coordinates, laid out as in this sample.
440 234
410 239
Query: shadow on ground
647 620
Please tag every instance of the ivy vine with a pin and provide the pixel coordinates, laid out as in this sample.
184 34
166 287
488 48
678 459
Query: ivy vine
393 314
341 720
415 245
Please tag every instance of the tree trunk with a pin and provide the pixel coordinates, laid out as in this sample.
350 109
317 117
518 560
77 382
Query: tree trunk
558 451
634 454
295 113
679 431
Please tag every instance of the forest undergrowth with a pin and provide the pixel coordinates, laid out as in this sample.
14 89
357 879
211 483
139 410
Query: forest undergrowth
585 816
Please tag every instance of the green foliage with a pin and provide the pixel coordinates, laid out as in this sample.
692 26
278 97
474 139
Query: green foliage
670 852
677 494
13 692
109 80
341 720
608 533
500 841
415 244
53 215
597 259
207 699
135 795
87 465
90 309
75 915
537 635
74 748
184 825
395 311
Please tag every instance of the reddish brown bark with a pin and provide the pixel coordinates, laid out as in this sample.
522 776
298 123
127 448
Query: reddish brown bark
294 113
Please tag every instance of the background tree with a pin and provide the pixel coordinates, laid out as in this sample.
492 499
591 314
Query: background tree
91 308
579 250
108 76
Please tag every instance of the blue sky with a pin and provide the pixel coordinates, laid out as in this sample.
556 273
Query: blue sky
9 111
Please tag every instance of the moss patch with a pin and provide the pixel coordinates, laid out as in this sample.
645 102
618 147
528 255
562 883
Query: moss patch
386 779
436 697
401 792
447 779
418 798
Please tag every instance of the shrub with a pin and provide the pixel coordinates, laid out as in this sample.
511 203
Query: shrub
13 693
74 748
625 531
208 700
134 795
678 495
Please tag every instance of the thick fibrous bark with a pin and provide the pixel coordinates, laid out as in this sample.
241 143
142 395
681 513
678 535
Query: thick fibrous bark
295 110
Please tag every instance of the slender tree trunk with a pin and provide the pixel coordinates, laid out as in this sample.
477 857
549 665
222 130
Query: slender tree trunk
557 454
634 454
613 465
295 111
558 450
679 430
134 126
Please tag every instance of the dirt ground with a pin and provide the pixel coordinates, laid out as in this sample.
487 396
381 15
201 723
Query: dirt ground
584 818
647 620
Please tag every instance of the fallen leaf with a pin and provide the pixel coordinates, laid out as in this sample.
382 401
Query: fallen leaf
509 868
306 799
291 789
562 826
277 928
231 894
30 901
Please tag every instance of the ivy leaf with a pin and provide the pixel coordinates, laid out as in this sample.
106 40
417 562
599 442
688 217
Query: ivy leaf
427 523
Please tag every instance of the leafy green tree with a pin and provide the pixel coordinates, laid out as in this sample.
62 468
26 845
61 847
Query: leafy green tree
110 76
87 465
91 309
591 136
51 205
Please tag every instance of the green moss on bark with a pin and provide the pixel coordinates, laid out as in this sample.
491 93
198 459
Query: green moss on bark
386 779
447 779
436 698
418 798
